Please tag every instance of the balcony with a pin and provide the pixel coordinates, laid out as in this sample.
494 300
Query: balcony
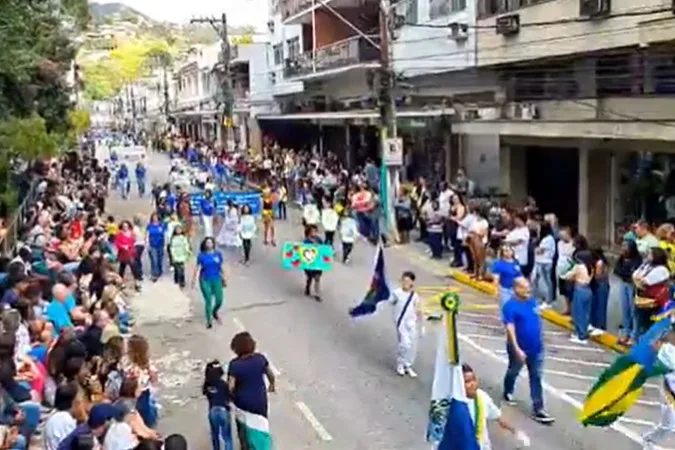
294 12
354 51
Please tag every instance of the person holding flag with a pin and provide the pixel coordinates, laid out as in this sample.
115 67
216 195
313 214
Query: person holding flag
408 320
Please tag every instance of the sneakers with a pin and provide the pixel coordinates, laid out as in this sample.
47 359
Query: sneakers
596 332
575 340
543 417
216 316
403 371
400 370
411 373
508 400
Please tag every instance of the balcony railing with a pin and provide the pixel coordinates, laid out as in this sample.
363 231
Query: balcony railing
292 7
351 51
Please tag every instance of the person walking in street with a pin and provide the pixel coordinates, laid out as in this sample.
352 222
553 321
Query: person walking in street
210 270
505 270
329 221
268 216
282 201
208 208
525 346
348 232
246 382
247 231
407 319
140 178
217 394
155 231
313 277
123 181
626 265
180 250
139 248
228 236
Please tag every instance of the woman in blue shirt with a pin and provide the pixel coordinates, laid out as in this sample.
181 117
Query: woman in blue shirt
212 278
154 235
504 271
208 209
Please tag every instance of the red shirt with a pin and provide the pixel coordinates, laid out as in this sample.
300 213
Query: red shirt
76 229
125 243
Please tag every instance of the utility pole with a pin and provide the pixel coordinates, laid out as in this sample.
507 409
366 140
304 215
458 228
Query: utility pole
225 99
389 174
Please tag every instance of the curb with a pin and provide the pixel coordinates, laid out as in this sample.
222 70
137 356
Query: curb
607 340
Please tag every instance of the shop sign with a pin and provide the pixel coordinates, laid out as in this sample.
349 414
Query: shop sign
393 152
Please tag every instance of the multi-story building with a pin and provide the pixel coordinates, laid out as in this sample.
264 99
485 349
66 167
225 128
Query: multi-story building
582 86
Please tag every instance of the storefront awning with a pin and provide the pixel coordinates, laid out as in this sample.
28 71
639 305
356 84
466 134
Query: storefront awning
356 114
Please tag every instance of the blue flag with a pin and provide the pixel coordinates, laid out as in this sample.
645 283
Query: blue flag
378 291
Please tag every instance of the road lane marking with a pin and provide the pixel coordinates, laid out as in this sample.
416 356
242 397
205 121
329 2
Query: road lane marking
556 346
645 423
314 422
579 362
555 392
638 402
501 328
238 324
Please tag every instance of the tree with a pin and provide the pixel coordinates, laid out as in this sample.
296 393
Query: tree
27 138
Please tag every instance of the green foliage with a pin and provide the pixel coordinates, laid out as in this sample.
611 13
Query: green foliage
27 138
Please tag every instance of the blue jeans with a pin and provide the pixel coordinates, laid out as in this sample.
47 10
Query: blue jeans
141 187
505 295
147 408
543 281
20 443
627 294
219 420
124 186
156 255
534 365
138 262
599 305
582 297
31 413
435 241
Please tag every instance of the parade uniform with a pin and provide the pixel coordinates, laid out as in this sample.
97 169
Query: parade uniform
666 425
405 305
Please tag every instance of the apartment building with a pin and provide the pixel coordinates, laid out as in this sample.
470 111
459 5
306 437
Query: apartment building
582 87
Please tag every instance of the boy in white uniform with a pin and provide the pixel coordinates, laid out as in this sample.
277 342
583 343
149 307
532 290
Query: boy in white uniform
407 319
666 425
488 411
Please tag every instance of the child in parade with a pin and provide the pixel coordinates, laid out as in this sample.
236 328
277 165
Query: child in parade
247 231
208 208
348 233
483 409
313 277
268 216
311 216
329 221
180 251
408 319
217 393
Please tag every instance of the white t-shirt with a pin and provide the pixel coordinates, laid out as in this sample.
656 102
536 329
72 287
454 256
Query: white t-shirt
120 437
348 230
565 263
58 426
547 249
480 226
653 275
492 413
398 299
247 227
329 219
520 239
465 226
311 214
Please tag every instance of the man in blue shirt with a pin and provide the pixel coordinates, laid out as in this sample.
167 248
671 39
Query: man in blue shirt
123 180
57 310
525 346
140 178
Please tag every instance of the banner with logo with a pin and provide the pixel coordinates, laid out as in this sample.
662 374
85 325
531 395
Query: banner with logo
221 198
301 256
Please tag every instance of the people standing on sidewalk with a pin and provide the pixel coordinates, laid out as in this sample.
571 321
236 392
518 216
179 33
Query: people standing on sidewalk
652 289
600 287
212 274
404 216
565 261
348 232
543 265
125 244
628 262
329 221
580 277
139 247
180 250
505 270
457 214
525 347
435 221
519 238
247 230
155 231
282 201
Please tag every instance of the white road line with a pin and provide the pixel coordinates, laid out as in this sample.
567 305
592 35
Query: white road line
638 402
645 423
314 422
561 347
481 316
557 393
501 328
238 324
579 362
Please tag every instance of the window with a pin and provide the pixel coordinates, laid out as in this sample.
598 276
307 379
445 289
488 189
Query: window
492 7
278 54
293 47
458 5
439 8
411 12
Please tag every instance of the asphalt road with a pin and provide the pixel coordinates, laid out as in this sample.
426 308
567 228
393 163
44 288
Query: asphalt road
337 386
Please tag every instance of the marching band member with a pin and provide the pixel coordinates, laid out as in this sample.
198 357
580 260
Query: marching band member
329 220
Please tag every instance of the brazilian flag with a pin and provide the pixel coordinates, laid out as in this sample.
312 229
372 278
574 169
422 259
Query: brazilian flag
621 384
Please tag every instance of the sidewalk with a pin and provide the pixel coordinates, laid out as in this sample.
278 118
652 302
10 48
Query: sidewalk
554 316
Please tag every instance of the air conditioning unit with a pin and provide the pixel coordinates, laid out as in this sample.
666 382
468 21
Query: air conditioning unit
526 111
270 26
459 31
508 25
594 8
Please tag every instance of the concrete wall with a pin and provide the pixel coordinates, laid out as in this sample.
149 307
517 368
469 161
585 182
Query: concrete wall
420 50
575 36
480 156
512 164
280 35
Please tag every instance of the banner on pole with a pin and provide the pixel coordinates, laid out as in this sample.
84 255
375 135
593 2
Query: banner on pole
221 198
